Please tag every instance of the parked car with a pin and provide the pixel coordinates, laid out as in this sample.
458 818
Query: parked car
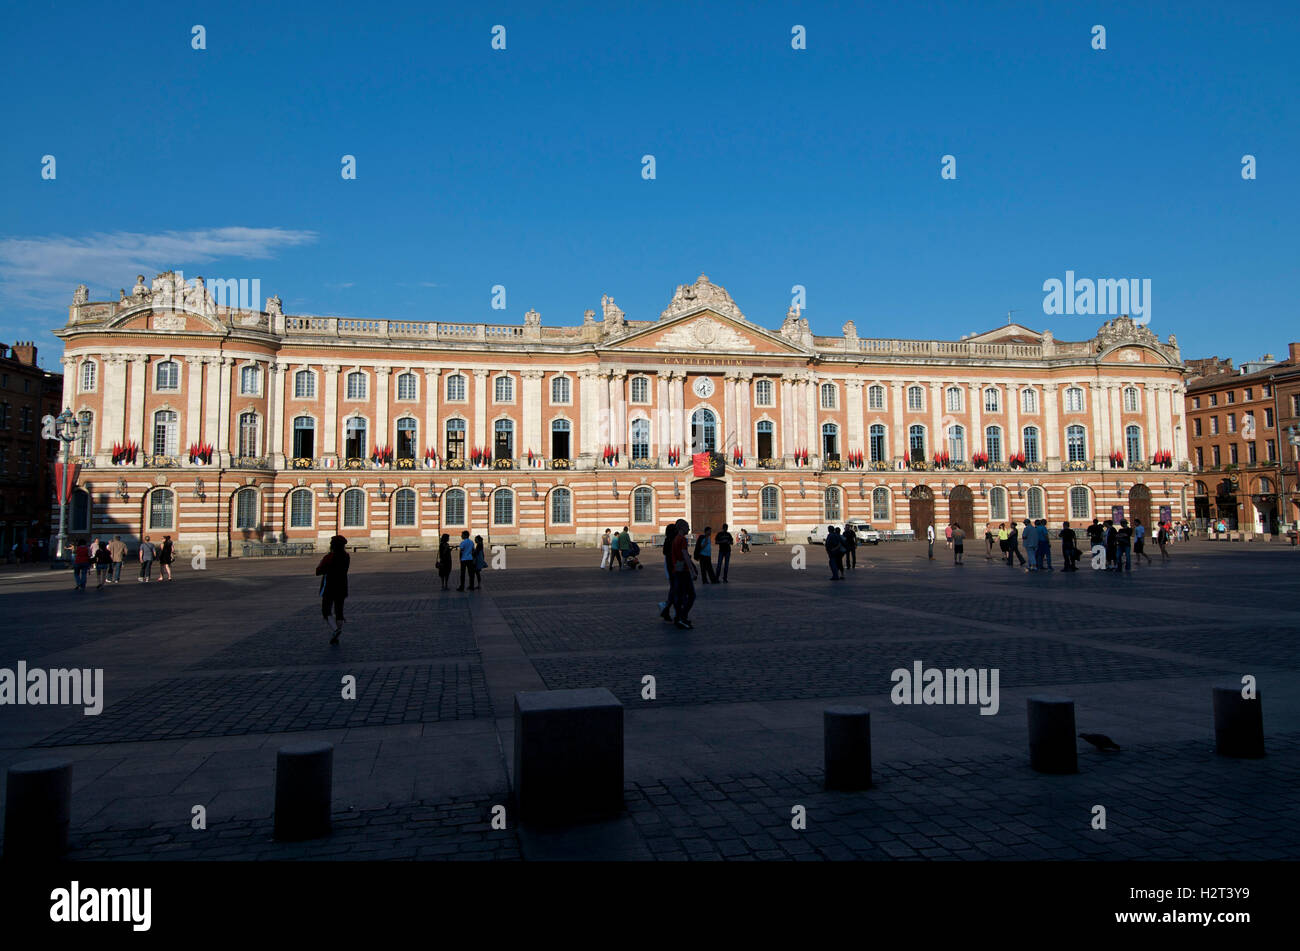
866 534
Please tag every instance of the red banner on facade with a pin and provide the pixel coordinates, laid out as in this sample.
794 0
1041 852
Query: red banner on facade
65 477
701 462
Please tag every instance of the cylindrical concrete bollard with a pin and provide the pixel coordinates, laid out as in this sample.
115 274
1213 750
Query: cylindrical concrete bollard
847 739
1052 744
1238 723
304 774
38 809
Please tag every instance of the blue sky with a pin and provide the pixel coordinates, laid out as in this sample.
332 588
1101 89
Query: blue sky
774 167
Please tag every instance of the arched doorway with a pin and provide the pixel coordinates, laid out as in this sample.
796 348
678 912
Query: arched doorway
920 504
961 509
1139 505
708 504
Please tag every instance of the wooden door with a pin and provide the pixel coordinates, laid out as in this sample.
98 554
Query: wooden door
708 504
961 509
920 504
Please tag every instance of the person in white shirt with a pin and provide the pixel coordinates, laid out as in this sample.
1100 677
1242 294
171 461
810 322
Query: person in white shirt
929 537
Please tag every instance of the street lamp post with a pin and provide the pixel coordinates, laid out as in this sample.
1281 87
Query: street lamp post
65 428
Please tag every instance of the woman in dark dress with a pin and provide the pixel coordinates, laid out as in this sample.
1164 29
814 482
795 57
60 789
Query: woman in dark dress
165 559
444 560
480 560
334 584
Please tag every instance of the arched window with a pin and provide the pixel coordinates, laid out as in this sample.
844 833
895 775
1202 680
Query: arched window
300 508
763 393
503 507
304 437
453 501
998 504
1133 443
640 439
88 376
1076 442
770 504
404 508
828 396
456 388
407 387
455 438
85 433
875 396
915 398
830 441
1130 399
1074 400
1034 502
704 431
408 438
957 443
503 389
503 446
1031 444
880 504
250 381
561 506
640 389
354 508
354 444
561 389
993 442
831 509
1080 503
766 439
877 443
166 433
162 510
1029 401
167 377
304 385
643 509
356 385
916 443
992 400
248 434
79 511
561 431
246 508
953 395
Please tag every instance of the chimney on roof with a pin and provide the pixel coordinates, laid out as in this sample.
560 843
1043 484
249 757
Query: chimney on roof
25 352
1294 353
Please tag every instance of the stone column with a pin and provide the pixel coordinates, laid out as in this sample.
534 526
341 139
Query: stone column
1165 416
1015 442
1110 436
532 434
432 431
684 420
588 397
193 402
135 411
381 434
744 409
480 435
211 400
222 443
276 380
1153 426
788 440
812 429
854 414
730 414
113 426
660 425
896 398
975 402
936 420
602 412
618 401
1098 413
1051 427
70 382
330 377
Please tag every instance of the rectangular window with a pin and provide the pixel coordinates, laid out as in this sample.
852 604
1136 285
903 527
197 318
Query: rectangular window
404 510
456 507
1214 425
1232 422
1232 452
1196 426
1270 450
1196 402
1200 458
769 506
300 509
246 509
1268 417
1216 456
1250 393
1232 396
1214 399
876 397
1251 452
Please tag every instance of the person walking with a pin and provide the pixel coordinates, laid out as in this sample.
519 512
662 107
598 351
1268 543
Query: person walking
624 548
684 572
480 562
147 554
615 553
1111 541
989 538
958 542
704 556
669 603
103 564
1162 539
850 539
333 572
1139 541
444 560
835 552
165 557
1013 545
605 553
466 551
1029 537
1123 545
117 551
929 539
1044 546
1069 550
947 537
80 564
744 541
1004 541
724 542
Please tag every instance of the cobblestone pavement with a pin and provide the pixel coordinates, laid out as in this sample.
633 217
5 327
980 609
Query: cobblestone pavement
206 676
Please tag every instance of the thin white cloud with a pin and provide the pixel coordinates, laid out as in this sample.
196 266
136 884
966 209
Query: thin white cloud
43 272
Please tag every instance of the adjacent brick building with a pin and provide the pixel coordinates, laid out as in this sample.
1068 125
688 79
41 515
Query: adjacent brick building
26 462
1239 442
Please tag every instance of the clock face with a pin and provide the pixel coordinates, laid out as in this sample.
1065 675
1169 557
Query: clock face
703 387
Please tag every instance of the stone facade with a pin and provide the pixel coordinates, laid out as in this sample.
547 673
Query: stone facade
254 426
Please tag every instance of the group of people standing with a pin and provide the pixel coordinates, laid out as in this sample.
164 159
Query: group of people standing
841 550
684 560
1111 546
469 554
107 560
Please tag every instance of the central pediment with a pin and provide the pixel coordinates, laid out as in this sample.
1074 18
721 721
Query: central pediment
705 331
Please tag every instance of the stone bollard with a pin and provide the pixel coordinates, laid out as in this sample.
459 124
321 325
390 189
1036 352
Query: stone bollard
1052 744
38 809
568 755
847 740
1238 723
304 774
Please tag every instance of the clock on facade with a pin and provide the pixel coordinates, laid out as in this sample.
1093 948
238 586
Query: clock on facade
703 387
